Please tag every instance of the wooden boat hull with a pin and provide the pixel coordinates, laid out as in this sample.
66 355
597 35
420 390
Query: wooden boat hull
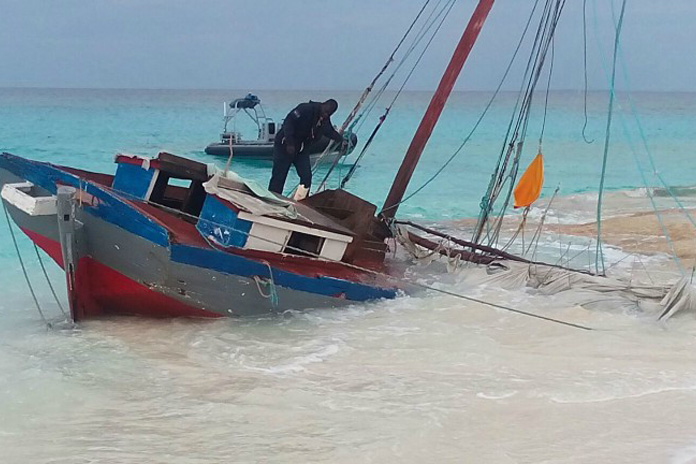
134 261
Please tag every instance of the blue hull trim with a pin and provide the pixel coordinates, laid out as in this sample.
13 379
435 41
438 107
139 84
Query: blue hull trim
107 207
238 265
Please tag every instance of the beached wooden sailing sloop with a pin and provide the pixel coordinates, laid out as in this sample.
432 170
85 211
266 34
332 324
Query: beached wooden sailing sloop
169 237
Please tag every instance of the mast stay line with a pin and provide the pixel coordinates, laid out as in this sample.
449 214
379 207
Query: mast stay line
437 104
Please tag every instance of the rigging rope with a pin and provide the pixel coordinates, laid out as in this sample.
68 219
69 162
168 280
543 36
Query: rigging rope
653 167
425 27
584 48
446 10
548 89
393 101
599 258
366 92
354 118
481 117
48 280
508 160
493 239
648 152
24 269
537 234
644 139
359 118
648 189
497 178
649 193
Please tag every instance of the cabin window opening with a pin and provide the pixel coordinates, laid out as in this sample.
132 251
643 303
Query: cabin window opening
304 244
185 195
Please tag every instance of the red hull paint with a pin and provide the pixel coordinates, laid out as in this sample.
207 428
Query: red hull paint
102 291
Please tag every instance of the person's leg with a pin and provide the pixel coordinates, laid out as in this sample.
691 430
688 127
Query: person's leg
281 166
303 166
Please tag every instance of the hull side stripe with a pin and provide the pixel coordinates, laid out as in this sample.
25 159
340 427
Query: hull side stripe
237 265
105 206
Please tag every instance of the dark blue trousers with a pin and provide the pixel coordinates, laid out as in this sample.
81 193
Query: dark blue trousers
281 165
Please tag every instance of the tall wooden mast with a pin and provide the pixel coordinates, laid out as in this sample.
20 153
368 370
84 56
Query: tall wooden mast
432 114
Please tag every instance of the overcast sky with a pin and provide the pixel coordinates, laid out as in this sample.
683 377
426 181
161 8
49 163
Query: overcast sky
315 44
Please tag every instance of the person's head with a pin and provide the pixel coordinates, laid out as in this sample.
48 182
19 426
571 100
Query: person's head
328 108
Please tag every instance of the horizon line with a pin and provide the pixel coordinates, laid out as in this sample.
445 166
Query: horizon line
11 87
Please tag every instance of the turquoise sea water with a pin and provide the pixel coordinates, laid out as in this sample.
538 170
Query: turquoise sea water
418 379
85 128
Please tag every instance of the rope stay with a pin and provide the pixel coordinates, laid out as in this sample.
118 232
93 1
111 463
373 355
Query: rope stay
350 119
48 280
599 257
490 102
584 54
644 140
508 160
653 204
430 22
427 25
382 118
367 91
354 117
548 90
361 117
24 269
651 160
498 177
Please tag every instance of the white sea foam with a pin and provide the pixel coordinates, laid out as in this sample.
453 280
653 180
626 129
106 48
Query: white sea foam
496 396
298 364
686 455
638 193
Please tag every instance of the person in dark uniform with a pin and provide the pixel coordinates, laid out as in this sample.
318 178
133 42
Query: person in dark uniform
306 123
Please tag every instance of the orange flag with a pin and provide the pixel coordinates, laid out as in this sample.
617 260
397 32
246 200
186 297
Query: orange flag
529 186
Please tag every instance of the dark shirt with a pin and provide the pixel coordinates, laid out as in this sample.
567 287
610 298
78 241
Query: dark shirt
304 125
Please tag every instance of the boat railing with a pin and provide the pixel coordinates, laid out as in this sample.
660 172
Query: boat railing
250 105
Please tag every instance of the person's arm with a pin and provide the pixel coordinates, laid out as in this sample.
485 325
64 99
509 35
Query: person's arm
289 130
329 131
